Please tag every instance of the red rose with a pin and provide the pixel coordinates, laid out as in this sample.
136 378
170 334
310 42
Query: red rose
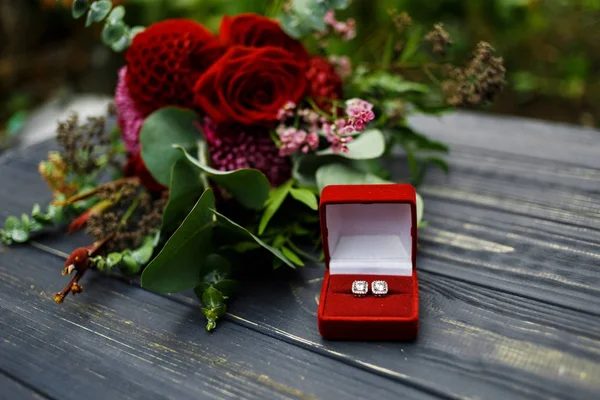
135 167
165 61
256 31
324 84
250 85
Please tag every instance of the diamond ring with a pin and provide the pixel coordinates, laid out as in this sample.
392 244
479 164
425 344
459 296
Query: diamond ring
360 288
379 288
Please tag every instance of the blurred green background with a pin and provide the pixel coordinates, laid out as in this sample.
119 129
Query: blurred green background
551 48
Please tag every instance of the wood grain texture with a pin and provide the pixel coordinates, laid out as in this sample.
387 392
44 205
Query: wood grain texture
509 271
118 341
11 389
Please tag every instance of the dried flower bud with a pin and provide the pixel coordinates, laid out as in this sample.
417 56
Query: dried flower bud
439 38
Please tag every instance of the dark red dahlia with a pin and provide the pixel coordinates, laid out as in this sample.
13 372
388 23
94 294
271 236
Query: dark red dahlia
165 61
324 83
234 146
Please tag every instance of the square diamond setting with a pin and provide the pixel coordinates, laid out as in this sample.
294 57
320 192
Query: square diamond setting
379 288
360 288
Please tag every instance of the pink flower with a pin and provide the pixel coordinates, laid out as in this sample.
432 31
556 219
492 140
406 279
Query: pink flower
293 139
342 66
360 113
233 147
131 117
347 30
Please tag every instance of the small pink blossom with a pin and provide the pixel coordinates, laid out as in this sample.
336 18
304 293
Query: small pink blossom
360 113
342 65
347 29
131 117
287 111
293 139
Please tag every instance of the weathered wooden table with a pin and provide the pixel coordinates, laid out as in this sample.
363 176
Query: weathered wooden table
510 295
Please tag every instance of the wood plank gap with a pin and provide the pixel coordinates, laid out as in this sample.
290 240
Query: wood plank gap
297 341
38 393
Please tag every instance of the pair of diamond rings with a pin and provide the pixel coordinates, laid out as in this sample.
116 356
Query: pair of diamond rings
361 288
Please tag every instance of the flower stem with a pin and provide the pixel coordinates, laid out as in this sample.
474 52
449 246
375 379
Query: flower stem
317 108
202 158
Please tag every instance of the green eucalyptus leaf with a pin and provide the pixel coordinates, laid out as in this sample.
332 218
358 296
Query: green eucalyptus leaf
228 287
160 132
216 268
12 223
112 33
276 198
113 259
98 11
369 145
200 288
79 8
212 298
177 266
143 254
305 196
129 265
293 257
337 174
229 224
135 30
185 190
121 44
212 315
249 187
19 235
117 14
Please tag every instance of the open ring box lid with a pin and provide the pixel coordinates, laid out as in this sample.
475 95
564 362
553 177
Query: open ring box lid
369 233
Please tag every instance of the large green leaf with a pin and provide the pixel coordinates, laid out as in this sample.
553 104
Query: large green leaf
305 196
229 224
276 198
370 144
177 267
185 190
160 132
341 174
249 187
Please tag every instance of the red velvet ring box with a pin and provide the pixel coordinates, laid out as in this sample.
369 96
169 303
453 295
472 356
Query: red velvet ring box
369 233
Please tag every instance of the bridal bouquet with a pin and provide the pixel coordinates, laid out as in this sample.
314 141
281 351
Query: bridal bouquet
217 145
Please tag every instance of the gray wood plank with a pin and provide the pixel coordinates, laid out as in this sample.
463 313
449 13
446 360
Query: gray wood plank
508 270
11 389
118 341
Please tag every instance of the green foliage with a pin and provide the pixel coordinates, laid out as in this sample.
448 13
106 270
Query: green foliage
129 262
305 196
276 198
306 16
177 266
79 8
342 174
249 187
161 132
19 230
368 145
185 190
98 11
116 33
231 226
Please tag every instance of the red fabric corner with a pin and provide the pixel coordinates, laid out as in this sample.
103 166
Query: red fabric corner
393 317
